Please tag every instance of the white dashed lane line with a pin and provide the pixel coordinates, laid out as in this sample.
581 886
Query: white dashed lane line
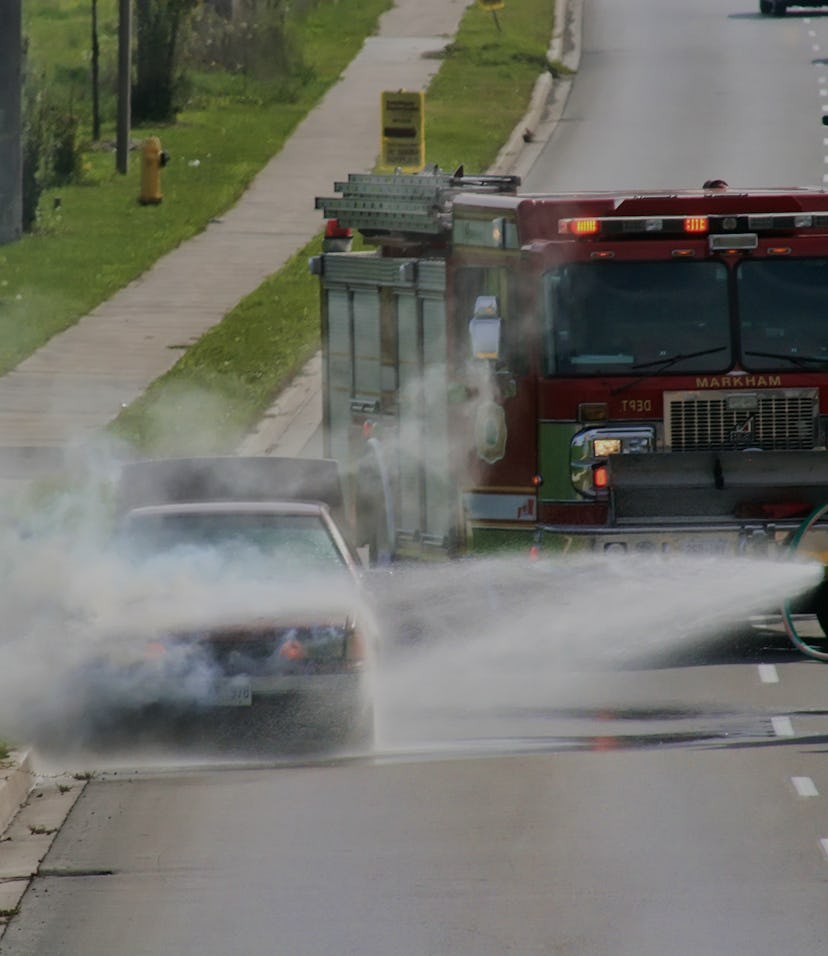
812 35
782 726
804 786
768 673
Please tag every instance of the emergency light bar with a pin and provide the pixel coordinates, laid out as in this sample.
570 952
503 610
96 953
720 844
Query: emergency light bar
628 225
617 226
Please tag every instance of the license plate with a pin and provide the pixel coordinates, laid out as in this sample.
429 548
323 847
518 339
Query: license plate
233 693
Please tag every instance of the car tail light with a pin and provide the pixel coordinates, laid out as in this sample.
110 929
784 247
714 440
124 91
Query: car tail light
293 650
153 650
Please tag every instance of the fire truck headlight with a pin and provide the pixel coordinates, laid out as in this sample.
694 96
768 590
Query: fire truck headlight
604 447
590 449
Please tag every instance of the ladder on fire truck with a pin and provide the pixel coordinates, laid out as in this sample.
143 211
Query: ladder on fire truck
385 206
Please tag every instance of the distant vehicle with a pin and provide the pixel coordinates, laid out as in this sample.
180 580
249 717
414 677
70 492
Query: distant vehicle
778 8
254 608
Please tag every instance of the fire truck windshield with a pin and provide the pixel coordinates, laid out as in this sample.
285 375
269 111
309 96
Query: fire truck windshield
783 313
614 318
619 318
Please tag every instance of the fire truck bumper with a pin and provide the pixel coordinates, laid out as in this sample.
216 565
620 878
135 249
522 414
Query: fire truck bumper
758 539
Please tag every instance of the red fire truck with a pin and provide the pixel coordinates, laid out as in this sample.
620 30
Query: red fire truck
633 372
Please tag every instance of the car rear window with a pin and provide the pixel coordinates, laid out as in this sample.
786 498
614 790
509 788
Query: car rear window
297 542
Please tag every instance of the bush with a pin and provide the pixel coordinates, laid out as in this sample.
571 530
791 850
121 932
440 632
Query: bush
51 148
257 42
157 94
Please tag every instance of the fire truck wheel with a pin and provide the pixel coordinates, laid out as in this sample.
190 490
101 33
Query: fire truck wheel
779 7
766 6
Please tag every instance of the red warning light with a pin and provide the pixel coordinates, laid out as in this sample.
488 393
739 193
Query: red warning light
600 477
696 224
333 230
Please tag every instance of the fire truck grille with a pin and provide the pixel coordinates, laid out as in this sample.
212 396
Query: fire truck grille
773 420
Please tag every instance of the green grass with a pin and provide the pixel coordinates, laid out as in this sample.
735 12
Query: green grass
485 82
239 366
100 237
231 375
4 750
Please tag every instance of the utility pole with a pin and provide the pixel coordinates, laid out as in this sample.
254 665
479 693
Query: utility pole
96 70
11 157
124 84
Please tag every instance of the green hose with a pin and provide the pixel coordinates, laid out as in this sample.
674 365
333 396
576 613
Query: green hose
787 617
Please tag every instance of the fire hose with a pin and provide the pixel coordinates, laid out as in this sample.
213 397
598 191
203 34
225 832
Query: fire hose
787 615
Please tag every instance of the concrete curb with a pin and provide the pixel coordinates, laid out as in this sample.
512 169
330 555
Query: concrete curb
30 834
16 780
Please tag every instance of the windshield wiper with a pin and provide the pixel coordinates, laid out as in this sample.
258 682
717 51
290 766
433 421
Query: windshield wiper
802 361
662 364
665 363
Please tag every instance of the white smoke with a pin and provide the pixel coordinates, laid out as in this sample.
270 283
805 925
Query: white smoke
80 618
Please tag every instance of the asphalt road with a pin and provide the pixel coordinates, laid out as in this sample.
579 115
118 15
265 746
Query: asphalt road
671 92
678 805
533 803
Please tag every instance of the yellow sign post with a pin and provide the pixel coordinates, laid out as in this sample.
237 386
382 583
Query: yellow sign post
493 6
403 130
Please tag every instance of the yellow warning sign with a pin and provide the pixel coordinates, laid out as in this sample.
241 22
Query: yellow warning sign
403 130
491 4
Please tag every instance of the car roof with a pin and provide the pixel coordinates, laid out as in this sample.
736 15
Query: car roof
311 508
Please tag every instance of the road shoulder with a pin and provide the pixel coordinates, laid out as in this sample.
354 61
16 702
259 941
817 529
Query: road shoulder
32 811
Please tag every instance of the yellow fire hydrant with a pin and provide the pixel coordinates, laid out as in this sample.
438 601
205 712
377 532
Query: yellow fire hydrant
153 159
